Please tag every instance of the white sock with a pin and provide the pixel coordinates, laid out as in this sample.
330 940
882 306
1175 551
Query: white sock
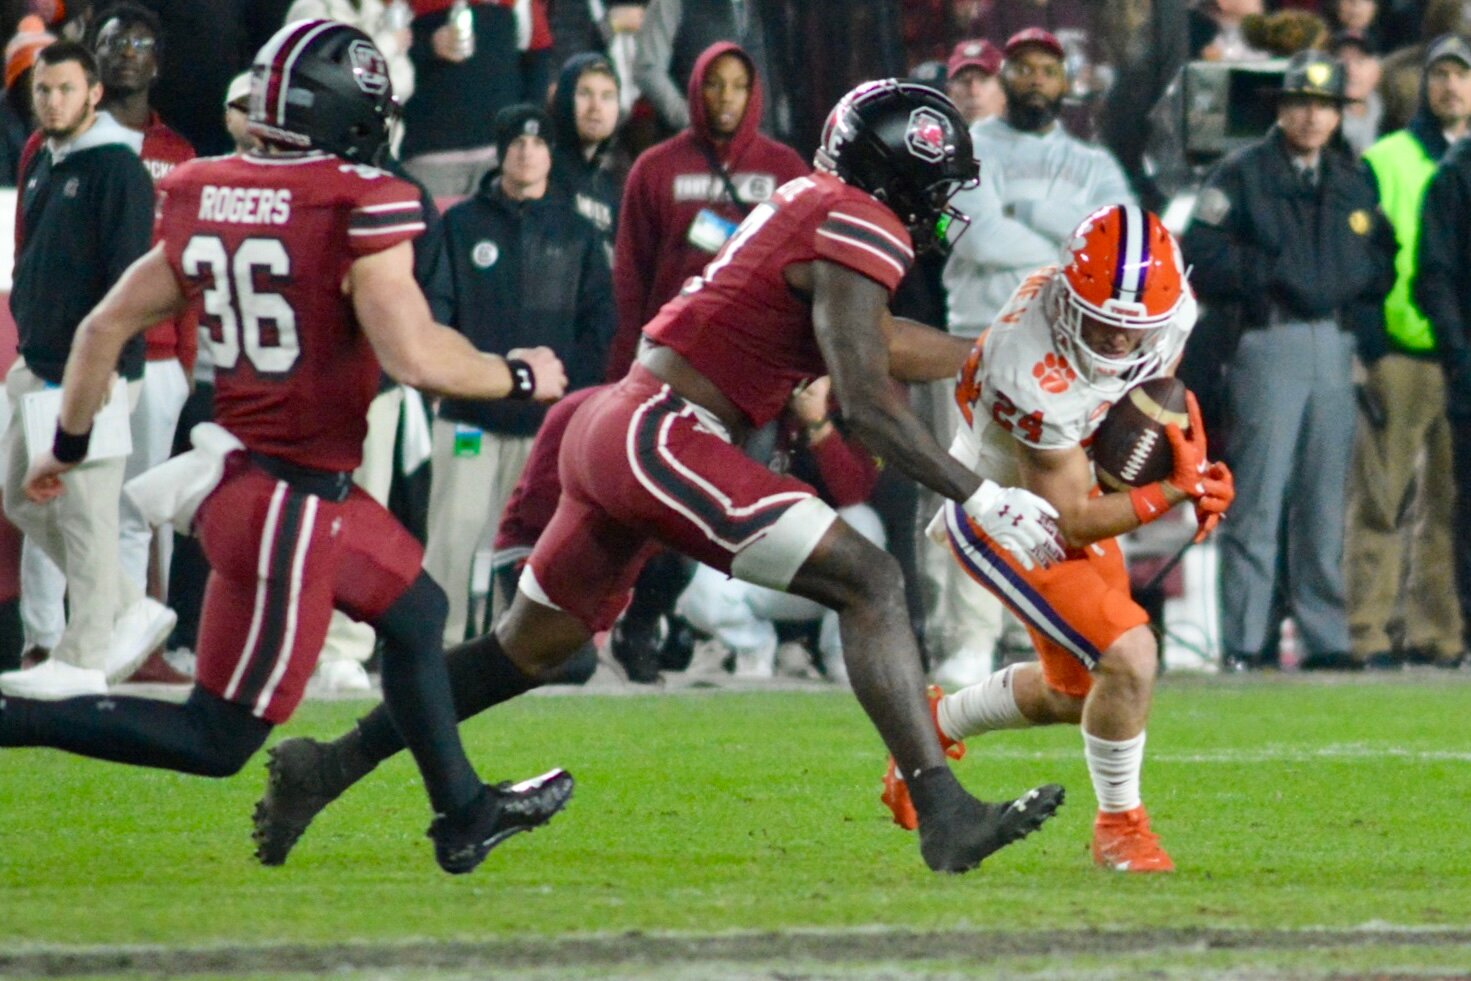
1114 767
983 707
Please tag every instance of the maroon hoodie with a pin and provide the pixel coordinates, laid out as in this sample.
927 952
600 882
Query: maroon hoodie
666 189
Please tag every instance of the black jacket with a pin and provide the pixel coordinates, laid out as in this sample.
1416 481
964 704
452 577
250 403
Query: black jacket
594 184
527 273
1261 239
85 218
1442 286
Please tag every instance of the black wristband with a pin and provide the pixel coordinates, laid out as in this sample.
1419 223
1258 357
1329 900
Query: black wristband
523 379
69 447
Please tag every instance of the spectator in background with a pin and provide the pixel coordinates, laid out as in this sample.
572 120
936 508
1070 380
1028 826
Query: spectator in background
85 213
17 119
504 246
1401 493
1400 87
493 54
1361 114
1215 30
586 166
686 196
237 105
672 41
215 40
593 26
1442 290
1357 17
129 51
1288 234
971 82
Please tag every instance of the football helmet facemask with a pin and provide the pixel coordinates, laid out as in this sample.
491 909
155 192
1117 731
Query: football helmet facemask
320 84
907 145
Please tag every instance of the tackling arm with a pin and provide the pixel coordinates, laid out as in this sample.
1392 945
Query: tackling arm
920 353
849 311
416 351
1065 479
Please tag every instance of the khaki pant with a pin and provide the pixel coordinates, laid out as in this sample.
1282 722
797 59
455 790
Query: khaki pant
1401 589
466 497
78 531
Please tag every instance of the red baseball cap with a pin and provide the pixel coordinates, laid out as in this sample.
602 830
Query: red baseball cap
975 53
1034 36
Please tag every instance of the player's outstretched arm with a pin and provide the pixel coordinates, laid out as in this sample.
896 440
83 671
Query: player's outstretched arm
921 353
848 311
416 351
145 294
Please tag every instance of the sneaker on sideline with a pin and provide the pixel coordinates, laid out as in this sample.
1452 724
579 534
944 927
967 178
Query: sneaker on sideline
52 680
139 629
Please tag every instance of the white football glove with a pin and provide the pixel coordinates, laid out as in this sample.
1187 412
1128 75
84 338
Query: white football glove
1017 520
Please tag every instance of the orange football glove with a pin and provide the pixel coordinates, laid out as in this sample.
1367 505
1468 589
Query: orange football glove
1189 451
1220 491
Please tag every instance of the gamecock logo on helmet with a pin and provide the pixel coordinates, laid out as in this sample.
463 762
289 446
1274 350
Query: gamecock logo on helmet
925 136
369 69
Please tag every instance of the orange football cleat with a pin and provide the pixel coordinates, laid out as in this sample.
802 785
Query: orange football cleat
1123 842
896 796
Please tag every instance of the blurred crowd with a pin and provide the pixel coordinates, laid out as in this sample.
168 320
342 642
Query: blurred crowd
587 157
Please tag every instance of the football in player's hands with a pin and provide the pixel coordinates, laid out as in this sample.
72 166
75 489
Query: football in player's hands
1130 446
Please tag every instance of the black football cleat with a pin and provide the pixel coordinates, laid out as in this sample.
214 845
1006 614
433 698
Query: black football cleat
960 840
498 813
302 777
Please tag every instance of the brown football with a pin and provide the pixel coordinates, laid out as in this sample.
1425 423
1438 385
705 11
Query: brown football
1130 447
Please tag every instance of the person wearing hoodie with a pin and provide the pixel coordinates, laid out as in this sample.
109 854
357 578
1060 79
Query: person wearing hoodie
505 244
686 196
586 166
85 213
1401 482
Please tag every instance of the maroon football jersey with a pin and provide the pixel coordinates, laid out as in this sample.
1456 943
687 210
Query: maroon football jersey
265 242
742 326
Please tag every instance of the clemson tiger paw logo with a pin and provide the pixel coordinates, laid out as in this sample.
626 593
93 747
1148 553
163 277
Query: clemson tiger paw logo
1054 374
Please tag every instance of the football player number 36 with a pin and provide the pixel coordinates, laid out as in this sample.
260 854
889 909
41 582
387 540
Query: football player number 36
240 316
1009 417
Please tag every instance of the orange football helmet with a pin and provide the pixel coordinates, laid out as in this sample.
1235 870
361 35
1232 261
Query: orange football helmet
1122 270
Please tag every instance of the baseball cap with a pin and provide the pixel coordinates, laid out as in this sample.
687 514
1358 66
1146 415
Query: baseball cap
1448 46
21 50
238 89
1037 37
974 53
513 122
1349 39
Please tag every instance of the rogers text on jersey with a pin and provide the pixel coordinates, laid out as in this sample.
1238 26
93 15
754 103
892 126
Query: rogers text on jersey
245 206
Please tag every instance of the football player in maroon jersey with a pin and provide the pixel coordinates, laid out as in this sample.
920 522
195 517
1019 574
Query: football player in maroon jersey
800 290
302 257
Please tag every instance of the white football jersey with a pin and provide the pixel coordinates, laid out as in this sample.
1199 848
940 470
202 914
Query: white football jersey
1019 387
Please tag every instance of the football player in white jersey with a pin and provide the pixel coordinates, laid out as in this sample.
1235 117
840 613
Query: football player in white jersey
1072 339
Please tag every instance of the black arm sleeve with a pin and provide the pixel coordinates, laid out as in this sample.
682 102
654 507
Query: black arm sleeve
1227 264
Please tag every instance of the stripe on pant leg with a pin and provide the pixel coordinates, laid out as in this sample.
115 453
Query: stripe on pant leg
262 571
293 604
986 566
273 621
706 506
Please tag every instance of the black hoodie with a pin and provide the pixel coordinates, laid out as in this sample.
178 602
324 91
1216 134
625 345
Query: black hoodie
593 184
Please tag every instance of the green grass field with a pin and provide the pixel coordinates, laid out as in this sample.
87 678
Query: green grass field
1320 830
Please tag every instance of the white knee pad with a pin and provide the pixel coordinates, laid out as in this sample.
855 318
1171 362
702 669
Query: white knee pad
774 558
